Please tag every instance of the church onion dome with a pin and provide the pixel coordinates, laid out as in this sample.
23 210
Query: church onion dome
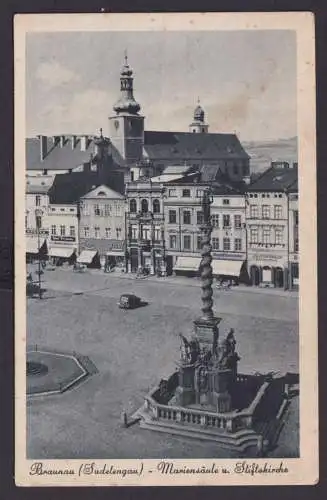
199 114
127 105
126 70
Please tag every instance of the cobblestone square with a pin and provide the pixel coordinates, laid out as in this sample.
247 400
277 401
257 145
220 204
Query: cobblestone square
132 350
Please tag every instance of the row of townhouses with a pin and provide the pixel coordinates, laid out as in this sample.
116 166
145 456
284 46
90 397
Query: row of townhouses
155 223
132 200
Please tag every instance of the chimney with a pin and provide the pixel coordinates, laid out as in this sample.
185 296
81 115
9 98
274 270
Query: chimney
43 146
62 141
84 142
74 141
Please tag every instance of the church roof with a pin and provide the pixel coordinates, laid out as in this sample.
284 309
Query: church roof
187 145
69 188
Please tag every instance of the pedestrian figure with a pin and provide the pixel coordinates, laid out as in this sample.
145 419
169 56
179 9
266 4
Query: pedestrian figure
124 419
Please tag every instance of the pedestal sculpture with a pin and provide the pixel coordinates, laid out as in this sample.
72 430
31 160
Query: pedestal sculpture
206 369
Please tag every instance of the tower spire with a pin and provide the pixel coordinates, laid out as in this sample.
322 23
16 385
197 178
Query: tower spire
126 103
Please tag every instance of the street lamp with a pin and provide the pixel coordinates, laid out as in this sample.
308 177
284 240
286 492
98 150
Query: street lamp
38 219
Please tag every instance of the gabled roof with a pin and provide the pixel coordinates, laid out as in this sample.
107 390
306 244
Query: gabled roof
219 185
276 178
57 157
184 145
63 157
69 188
103 191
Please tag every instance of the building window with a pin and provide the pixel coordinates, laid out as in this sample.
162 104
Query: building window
254 235
296 245
199 218
145 233
186 193
37 200
172 193
157 234
118 232
278 212
235 168
96 210
266 235
215 220
245 169
199 242
86 230
237 221
226 244
215 243
225 201
187 217
187 242
53 230
144 206
72 231
199 193
132 206
279 236
107 232
172 241
296 218
62 230
156 206
172 216
226 221
107 210
238 245
265 211
86 210
96 232
134 232
26 221
253 211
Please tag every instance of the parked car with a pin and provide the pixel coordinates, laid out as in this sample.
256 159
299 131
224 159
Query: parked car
129 301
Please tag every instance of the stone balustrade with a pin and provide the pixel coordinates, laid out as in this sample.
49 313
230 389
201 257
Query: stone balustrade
228 422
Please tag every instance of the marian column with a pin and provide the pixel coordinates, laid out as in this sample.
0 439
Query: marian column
206 327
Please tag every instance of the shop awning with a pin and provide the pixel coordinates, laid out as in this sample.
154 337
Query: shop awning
64 252
32 245
86 256
115 253
227 267
187 264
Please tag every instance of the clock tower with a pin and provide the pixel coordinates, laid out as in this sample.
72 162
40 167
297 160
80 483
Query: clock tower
126 126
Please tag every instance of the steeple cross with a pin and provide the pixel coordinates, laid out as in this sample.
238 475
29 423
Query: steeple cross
125 57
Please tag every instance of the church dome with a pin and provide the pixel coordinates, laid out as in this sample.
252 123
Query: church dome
199 114
126 70
127 105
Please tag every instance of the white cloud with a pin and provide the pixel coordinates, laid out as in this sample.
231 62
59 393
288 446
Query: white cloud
84 112
54 74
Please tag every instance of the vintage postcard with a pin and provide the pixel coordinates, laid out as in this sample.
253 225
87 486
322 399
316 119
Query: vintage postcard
165 255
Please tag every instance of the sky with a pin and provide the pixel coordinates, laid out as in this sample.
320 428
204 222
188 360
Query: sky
245 80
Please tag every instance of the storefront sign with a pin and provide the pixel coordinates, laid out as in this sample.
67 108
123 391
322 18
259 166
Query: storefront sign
62 239
35 232
228 256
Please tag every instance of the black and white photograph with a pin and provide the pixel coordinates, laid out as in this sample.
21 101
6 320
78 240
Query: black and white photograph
165 227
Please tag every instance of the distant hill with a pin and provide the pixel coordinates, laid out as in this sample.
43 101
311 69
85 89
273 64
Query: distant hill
263 153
